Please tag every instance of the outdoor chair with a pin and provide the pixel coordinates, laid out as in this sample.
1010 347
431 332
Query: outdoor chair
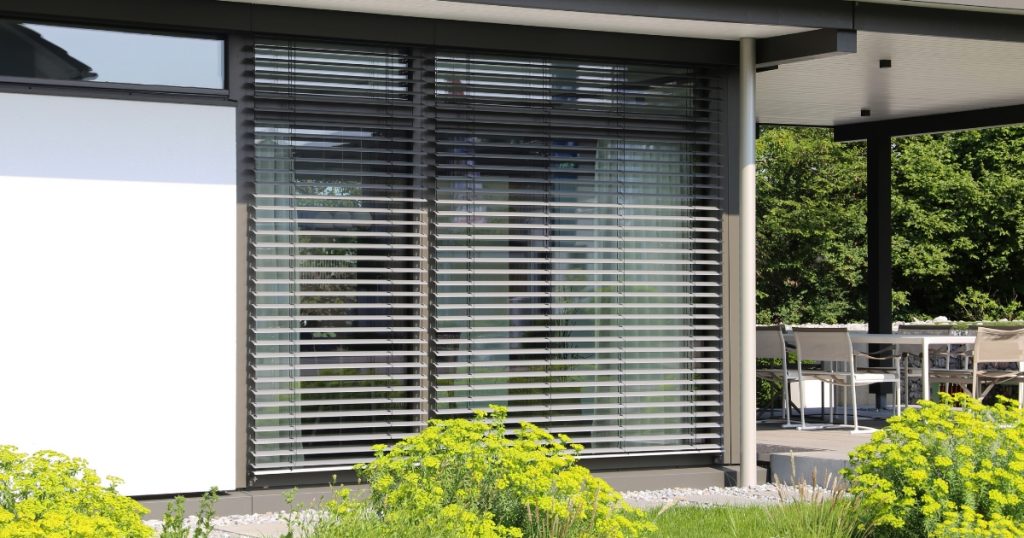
947 363
833 349
997 346
771 345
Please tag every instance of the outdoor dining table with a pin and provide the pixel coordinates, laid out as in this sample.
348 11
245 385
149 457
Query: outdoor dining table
916 340
921 340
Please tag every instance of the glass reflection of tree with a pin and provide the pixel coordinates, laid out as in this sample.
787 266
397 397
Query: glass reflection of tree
336 285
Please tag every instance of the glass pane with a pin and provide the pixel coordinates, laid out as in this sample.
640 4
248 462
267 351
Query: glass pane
576 249
69 53
339 240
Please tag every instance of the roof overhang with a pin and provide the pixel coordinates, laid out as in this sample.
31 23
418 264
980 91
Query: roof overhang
894 76
992 6
823 62
551 14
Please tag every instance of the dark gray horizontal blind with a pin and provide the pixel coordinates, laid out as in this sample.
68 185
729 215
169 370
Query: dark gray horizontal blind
434 231
339 256
576 249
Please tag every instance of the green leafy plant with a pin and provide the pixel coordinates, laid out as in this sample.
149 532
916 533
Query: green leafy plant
48 494
342 517
954 468
469 478
338 516
174 518
978 305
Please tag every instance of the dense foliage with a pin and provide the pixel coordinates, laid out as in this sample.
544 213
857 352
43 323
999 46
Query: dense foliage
954 468
467 478
958 226
50 495
811 227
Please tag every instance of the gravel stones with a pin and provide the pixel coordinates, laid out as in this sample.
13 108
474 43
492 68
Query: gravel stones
273 523
763 494
266 524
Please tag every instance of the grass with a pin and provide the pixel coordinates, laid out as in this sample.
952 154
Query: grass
745 521
815 513
794 520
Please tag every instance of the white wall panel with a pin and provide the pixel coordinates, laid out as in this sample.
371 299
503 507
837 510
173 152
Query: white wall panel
118 287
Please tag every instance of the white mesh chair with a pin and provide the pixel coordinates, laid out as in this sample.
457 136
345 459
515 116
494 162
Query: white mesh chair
833 349
771 344
993 345
947 363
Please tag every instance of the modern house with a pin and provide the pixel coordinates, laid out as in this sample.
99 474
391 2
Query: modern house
247 241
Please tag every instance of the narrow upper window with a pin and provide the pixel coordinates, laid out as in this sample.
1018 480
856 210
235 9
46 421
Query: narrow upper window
83 54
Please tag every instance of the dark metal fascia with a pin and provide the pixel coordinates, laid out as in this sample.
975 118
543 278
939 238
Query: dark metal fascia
802 46
935 123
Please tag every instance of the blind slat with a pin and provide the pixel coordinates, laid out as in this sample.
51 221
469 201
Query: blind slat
434 231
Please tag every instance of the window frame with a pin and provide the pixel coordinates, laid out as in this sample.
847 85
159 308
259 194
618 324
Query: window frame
124 90
420 74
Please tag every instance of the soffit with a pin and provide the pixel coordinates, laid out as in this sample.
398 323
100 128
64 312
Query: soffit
548 18
929 75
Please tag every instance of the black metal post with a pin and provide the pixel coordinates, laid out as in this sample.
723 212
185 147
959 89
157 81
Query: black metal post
879 243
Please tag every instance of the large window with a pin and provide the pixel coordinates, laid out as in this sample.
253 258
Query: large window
340 269
436 231
69 53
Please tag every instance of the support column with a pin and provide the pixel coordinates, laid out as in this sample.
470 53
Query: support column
879 224
880 234
746 262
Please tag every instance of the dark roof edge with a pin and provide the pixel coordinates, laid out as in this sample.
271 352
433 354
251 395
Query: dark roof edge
934 123
984 25
806 13
834 14
220 17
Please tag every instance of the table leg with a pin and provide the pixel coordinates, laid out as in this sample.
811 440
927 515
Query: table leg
926 387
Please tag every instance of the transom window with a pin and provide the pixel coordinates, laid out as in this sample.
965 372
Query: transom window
70 53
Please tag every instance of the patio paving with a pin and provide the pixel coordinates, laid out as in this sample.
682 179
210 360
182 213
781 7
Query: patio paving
809 456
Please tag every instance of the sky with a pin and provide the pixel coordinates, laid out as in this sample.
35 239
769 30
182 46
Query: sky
142 58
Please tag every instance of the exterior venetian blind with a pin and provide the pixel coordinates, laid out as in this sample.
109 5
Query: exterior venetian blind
339 260
576 249
436 231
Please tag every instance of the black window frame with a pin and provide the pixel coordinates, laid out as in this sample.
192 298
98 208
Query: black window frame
124 90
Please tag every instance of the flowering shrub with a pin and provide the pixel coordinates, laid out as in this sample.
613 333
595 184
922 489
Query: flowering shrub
469 474
48 494
944 471
342 517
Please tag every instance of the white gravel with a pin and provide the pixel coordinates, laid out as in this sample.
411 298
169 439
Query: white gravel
224 524
755 495
765 494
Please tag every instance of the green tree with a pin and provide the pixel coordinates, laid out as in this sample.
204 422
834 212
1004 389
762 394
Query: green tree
958 214
929 193
811 227
958 226
991 272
